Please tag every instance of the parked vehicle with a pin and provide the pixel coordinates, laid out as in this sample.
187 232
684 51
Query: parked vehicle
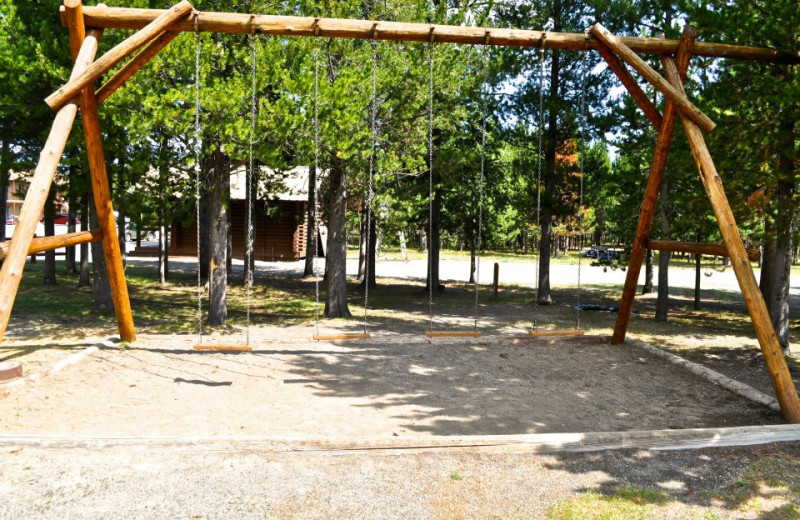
601 253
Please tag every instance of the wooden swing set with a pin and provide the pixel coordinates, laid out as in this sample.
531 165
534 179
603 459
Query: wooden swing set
156 28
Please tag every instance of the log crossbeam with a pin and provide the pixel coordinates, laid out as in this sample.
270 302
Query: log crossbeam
39 245
242 23
697 248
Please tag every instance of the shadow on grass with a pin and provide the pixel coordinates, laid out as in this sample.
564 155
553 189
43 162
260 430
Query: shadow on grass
760 482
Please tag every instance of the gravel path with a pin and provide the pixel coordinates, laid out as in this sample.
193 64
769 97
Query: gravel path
134 483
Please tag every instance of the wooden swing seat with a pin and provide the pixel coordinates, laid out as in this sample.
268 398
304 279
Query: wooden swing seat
223 347
452 334
342 335
556 333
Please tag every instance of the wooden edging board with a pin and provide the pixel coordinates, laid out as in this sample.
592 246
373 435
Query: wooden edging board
695 438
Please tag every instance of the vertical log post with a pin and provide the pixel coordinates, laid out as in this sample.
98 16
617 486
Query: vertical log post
657 167
14 263
776 363
102 195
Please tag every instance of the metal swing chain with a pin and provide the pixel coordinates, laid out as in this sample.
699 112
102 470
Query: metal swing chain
372 109
316 177
431 47
484 111
250 187
197 147
542 71
584 74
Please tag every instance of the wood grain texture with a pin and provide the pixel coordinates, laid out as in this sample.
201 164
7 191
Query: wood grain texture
555 333
629 82
341 335
452 334
16 255
135 63
223 348
694 438
697 248
771 348
653 77
663 143
241 23
105 210
39 245
75 85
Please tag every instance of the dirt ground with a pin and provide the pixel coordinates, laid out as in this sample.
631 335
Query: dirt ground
384 387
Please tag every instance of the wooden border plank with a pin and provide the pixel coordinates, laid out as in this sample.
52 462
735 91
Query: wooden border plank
657 167
75 85
773 355
695 438
14 263
653 77
242 23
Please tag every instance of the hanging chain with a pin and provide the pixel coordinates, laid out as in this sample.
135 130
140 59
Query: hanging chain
250 186
542 71
430 185
584 77
197 147
484 114
316 176
372 109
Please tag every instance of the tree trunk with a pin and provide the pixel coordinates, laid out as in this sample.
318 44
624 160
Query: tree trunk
100 283
472 262
83 280
647 288
248 256
543 295
162 255
662 302
49 277
697 269
205 233
765 282
367 253
423 241
336 257
5 169
312 240
120 207
778 303
163 172
72 215
362 244
434 241
218 203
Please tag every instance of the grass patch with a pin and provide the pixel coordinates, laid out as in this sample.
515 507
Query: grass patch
628 503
